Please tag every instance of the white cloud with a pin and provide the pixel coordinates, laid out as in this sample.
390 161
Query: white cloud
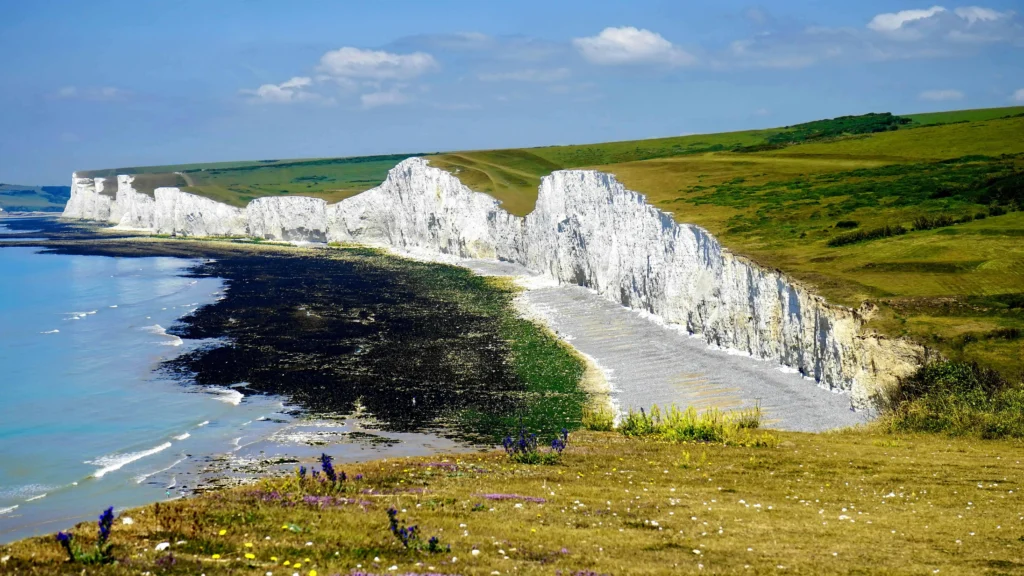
354 63
528 75
978 14
941 95
102 93
389 98
1018 96
894 21
629 45
285 92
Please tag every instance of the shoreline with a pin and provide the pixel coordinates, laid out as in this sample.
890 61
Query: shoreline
285 446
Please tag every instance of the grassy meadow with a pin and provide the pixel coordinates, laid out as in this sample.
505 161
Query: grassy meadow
851 502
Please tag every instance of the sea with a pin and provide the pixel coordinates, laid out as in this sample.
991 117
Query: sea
87 419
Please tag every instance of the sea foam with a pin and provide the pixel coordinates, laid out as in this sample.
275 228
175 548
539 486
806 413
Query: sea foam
114 462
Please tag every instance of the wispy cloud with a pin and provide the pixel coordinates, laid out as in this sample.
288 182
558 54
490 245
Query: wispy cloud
391 97
891 22
941 95
294 90
354 63
98 94
629 45
1018 96
528 75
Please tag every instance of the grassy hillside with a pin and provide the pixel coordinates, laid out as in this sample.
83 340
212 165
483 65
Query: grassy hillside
918 214
15 198
802 198
238 183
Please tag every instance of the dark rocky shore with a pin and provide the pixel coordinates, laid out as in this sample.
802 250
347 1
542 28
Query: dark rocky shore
419 347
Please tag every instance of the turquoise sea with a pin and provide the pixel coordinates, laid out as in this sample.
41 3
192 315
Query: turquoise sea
86 421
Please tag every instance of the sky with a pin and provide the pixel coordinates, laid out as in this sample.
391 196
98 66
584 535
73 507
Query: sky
101 84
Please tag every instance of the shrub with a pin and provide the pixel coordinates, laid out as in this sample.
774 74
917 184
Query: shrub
847 224
598 419
865 235
929 222
957 398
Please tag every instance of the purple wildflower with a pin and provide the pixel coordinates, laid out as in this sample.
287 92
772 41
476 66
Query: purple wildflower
65 539
327 463
106 522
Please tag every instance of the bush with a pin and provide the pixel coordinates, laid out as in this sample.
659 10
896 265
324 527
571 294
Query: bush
865 235
940 221
956 398
598 419
847 224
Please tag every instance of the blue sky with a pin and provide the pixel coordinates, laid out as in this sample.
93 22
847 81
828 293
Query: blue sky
120 83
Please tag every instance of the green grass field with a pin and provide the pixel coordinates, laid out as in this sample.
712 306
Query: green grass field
15 198
784 197
853 502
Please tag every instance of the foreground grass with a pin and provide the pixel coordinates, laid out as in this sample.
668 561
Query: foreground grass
848 502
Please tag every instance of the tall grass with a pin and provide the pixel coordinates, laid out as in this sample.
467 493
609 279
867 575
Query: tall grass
956 398
716 426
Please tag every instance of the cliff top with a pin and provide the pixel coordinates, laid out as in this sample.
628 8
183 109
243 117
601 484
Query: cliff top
918 214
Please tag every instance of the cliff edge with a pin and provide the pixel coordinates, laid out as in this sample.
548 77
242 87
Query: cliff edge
586 229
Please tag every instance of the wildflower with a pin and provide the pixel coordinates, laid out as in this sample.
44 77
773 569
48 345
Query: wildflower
327 463
250 556
302 472
216 556
65 541
222 532
106 522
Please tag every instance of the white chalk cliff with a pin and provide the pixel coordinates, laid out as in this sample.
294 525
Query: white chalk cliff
586 229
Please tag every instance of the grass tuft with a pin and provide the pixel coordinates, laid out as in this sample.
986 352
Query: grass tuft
598 419
715 426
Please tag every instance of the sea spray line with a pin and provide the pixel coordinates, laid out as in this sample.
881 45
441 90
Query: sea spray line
142 477
117 461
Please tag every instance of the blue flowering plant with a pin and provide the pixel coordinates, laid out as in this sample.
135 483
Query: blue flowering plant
524 447
327 480
409 536
103 552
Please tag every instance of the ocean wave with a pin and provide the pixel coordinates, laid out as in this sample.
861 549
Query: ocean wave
159 330
230 396
182 436
203 423
39 497
114 462
8 510
51 332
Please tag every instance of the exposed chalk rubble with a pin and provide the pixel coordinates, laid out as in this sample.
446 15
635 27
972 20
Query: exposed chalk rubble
586 229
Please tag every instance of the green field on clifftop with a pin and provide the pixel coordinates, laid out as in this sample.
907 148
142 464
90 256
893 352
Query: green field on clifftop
919 215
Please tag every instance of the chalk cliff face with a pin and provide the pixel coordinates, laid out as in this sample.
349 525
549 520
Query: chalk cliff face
587 229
